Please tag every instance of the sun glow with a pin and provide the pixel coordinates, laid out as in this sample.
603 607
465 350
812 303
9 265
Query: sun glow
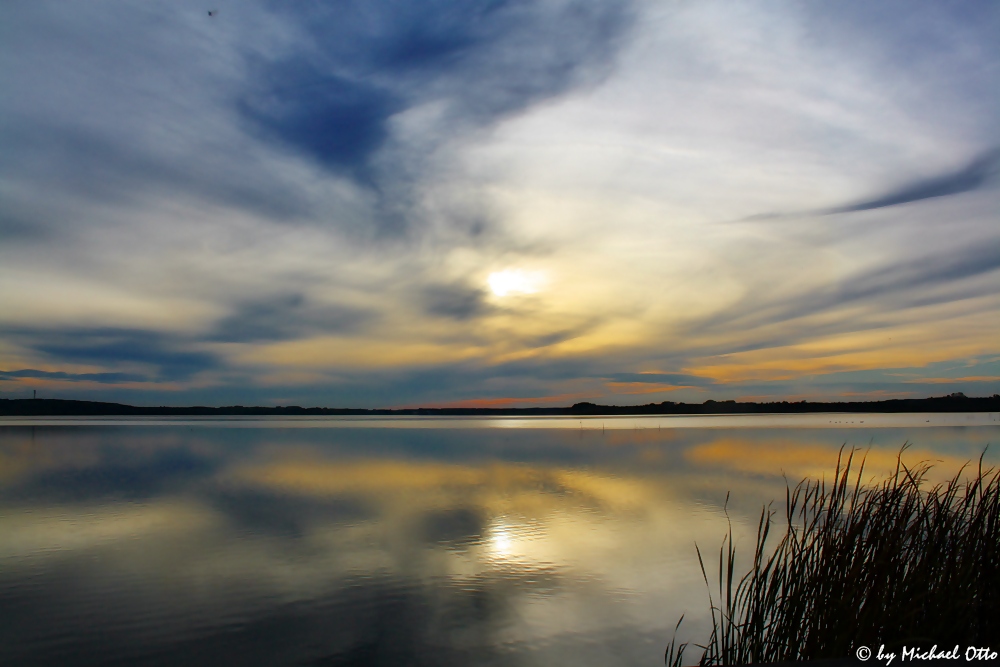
501 542
515 281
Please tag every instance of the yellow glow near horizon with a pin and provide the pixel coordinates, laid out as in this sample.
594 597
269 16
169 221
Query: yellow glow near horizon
515 281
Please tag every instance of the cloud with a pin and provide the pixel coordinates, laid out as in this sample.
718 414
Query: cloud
976 174
339 122
288 316
94 166
671 379
973 176
457 302
359 65
923 273
119 107
166 355
108 378
303 202
903 283
18 226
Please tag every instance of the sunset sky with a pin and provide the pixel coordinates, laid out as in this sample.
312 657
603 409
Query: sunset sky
498 203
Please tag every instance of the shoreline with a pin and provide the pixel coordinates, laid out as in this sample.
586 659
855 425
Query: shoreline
48 407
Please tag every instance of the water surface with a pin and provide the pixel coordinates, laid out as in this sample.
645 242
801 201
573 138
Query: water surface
345 541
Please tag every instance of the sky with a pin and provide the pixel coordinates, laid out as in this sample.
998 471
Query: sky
498 203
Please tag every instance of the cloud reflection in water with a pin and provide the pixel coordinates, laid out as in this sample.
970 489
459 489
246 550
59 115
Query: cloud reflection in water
355 546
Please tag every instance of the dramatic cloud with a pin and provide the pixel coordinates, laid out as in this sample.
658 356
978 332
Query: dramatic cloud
515 202
362 65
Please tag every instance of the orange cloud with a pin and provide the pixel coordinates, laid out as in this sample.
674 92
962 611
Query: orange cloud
971 378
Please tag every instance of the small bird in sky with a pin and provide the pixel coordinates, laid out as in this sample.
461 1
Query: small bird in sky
213 12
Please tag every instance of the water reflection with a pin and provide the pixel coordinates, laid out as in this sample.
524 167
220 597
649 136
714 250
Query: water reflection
190 544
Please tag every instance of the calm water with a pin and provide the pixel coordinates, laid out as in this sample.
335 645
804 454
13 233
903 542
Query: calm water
396 542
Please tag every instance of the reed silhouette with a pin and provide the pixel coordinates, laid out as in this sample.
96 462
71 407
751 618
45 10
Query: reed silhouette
893 563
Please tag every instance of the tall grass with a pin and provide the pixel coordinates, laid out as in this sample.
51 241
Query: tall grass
897 563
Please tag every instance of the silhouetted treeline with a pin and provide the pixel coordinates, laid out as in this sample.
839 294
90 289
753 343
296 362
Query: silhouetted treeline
29 407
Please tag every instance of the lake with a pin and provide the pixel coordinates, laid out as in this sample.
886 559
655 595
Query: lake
402 541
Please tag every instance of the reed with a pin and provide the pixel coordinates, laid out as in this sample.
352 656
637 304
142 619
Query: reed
897 563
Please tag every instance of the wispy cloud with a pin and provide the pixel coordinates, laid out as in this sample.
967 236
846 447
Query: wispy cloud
339 96
110 378
978 173
973 176
165 358
670 379
306 202
906 283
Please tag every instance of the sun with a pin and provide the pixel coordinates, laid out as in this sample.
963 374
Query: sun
515 281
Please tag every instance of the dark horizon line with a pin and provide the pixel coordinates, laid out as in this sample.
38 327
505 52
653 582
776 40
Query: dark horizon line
956 402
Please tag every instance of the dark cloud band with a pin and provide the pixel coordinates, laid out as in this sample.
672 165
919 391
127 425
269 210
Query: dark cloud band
107 378
971 177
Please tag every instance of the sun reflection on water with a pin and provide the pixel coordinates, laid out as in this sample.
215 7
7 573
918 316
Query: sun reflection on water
519 548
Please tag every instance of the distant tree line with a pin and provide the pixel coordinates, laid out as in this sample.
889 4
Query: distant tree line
39 407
